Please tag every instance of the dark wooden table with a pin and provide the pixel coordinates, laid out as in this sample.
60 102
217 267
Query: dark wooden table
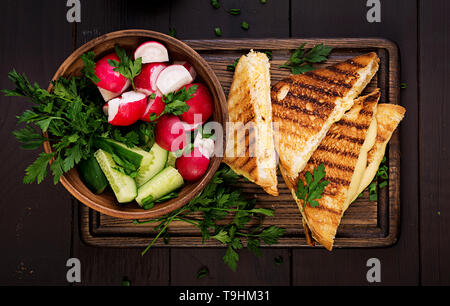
39 224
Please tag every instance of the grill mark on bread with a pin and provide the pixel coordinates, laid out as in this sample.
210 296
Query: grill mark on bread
342 72
337 180
326 104
313 75
353 63
324 148
348 138
356 125
303 110
332 165
329 93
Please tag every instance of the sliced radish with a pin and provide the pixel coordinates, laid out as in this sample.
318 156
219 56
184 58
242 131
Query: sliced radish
154 106
109 95
145 82
170 134
152 52
127 109
192 166
190 127
206 146
201 105
188 66
109 79
173 78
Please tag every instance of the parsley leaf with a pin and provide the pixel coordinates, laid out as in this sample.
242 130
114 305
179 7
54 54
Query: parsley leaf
89 66
176 102
301 60
126 66
314 187
71 122
219 200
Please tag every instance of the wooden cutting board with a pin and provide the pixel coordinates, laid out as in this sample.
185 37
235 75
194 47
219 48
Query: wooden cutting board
365 223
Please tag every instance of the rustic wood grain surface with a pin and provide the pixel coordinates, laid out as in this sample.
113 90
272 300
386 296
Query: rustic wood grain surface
36 222
365 223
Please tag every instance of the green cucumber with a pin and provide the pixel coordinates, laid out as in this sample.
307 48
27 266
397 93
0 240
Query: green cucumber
171 160
132 155
162 184
152 163
124 186
92 175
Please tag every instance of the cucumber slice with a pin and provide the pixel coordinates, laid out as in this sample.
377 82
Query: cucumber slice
162 184
132 155
152 163
124 186
171 160
92 175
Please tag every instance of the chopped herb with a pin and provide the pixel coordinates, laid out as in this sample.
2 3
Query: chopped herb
244 25
301 61
221 198
232 67
126 67
234 11
314 187
215 4
173 32
278 260
439 213
202 273
263 1
218 31
403 85
269 55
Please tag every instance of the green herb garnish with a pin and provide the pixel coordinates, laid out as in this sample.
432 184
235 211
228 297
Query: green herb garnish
234 11
72 122
89 67
263 1
215 4
244 25
278 260
173 32
232 67
218 31
301 60
221 199
126 67
202 273
269 54
314 187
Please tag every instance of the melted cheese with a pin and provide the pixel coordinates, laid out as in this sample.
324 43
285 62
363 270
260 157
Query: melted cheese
360 166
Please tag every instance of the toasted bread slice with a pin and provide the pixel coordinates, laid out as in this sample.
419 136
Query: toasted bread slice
388 118
340 150
250 144
306 105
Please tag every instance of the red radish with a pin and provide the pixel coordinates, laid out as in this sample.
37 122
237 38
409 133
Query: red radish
188 66
192 166
145 82
173 78
206 146
191 127
154 106
113 82
170 134
201 105
152 52
127 109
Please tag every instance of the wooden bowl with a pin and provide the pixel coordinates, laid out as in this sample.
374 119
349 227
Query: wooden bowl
130 39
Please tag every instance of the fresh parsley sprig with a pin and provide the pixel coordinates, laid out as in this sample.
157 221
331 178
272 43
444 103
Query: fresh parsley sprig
176 102
219 200
301 60
70 120
89 66
126 67
313 190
